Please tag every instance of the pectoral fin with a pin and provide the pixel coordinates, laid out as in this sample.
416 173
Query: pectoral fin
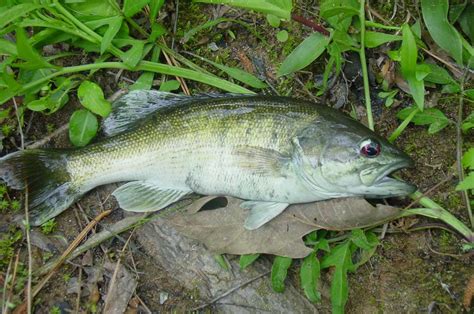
261 213
260 160
146 196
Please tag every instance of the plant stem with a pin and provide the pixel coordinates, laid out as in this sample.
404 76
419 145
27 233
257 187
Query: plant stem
145 66
363 63
433 210
316 27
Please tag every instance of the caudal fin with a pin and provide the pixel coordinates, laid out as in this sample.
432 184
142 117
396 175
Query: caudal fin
44 174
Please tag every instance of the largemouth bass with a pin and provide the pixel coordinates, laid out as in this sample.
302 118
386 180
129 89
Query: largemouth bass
269 151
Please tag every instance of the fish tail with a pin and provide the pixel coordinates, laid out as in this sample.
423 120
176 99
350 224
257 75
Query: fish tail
44 174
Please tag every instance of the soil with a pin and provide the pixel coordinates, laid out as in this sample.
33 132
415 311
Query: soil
411 271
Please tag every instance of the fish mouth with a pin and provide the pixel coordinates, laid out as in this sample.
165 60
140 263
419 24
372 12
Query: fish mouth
392 186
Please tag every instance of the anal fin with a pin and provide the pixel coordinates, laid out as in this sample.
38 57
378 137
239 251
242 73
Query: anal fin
261 213
146 196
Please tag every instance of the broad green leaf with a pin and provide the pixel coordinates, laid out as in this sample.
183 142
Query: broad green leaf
467 183
248 259
114 26
145 81
280 8
389 96
155 6
374 39
169 86
54 100
435 15
7 48
433 117
451 88
408 56
303 55
236 73
91 96
273 20
438 74
132 7
16 11
84 10
339 13
134 54
279 271
340 258
468 123
282 35
469 93
310 273
358 238
157 30
83 127
26 52
468 159
422 70
465 20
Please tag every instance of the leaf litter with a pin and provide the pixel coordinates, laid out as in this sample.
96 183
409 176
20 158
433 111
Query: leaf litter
222 229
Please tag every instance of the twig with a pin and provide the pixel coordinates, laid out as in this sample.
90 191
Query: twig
147 309
316 27
114 276
363 63
71 247
78 299
5 284
29 295
12 283
230 291
20 128
48 138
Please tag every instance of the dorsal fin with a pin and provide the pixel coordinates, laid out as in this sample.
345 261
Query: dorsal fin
139 104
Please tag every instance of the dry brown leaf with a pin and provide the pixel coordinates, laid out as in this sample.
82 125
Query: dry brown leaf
222 229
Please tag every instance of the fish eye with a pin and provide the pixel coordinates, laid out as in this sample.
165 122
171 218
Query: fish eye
369 148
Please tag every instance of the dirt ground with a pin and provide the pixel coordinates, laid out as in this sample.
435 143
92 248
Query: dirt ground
412 271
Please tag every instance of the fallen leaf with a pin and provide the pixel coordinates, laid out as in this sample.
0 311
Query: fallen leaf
218 222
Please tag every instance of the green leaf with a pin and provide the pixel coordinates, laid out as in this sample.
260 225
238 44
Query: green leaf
280 8
468 123
339 13
91 96
422 70
358 238
303 55
279 271
155 6
236 73
134 54
438 75
7 48
219 258
145 81
169 86
340 258
114 26
282 36
310 273
374 39
132 7
273 20
467 183
389 97
468 159
408 56
433 117
54 100
465 20
26 52
15 12
469 93
435 15
83 127
247 260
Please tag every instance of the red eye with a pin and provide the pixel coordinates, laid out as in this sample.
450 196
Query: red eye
370 148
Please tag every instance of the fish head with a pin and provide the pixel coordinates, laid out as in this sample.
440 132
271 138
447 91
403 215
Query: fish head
349 159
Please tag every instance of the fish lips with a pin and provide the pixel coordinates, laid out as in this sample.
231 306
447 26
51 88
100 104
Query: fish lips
385 186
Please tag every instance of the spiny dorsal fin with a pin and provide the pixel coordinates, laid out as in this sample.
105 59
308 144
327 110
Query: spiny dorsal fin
135 106
139 104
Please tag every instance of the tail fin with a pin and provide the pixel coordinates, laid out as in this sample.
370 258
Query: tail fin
44 174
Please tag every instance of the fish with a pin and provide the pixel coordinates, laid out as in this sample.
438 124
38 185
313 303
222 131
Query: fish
269 151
